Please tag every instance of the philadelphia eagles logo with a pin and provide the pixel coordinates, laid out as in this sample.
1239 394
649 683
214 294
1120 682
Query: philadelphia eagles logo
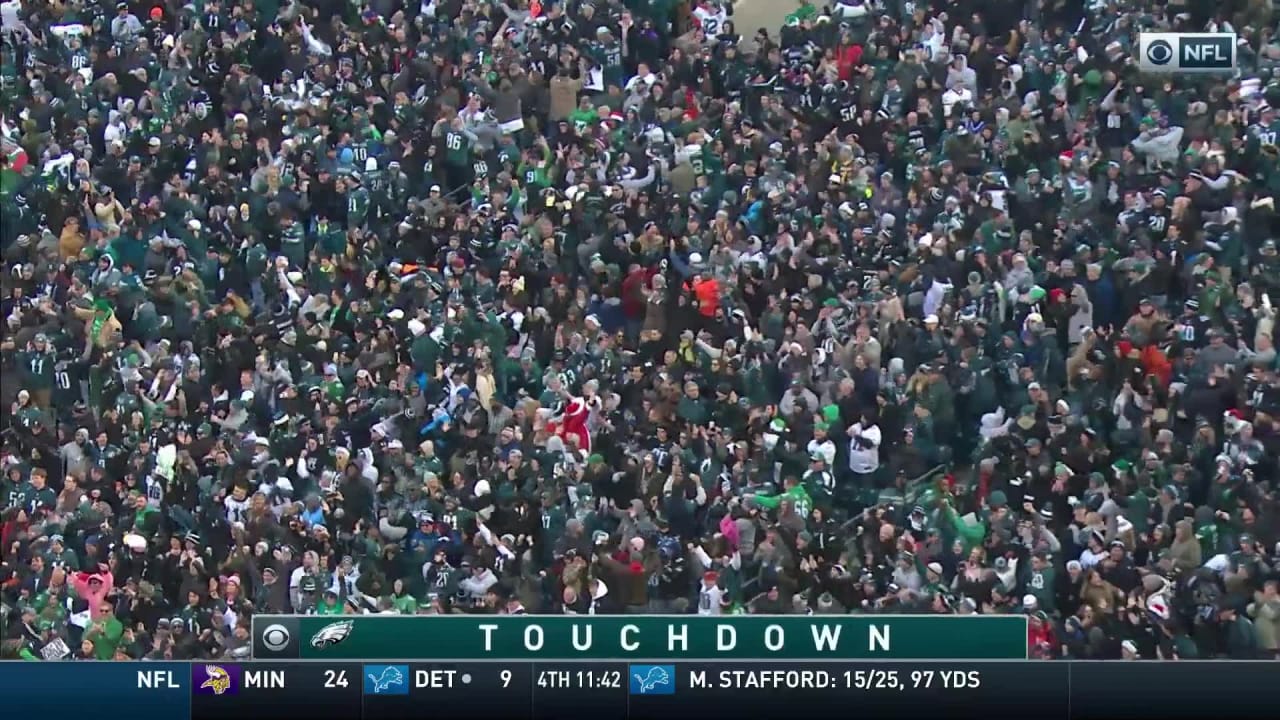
332 634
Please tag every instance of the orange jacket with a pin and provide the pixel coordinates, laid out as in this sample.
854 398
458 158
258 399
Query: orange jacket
1155 363
708 294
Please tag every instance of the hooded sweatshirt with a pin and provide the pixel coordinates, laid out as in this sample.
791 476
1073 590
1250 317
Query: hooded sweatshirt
1159 148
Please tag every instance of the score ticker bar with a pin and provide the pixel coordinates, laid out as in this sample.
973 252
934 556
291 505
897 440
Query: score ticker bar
390 689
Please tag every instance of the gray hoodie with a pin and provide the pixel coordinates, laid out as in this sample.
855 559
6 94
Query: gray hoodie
635 521
1159 146
964 76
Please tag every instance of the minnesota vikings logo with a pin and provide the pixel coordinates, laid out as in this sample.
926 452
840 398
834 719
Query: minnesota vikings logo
216 679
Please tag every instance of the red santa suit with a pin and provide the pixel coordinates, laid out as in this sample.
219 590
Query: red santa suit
573 422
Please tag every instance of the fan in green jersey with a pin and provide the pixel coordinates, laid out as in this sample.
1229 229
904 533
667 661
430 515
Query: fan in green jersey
357 199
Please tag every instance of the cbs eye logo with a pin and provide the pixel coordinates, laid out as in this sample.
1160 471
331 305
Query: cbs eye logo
1159 52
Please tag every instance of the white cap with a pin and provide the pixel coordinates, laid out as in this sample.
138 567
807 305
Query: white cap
1029 601
294 276
931 320
396 314
370 164
695 258
416 327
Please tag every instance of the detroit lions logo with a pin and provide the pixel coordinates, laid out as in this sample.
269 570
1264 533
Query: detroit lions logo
647 682
390 676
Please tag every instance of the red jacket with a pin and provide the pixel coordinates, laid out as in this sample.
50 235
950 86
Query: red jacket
848 58
9 532
1155 363
633 300
1041 642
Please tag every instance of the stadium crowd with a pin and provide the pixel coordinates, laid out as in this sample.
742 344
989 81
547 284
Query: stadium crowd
589 306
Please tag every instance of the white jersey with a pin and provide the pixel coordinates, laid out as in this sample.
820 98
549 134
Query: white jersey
237 510
155 491
864 449
711 20
709 600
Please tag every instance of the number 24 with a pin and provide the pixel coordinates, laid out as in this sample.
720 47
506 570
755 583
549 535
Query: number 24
336 679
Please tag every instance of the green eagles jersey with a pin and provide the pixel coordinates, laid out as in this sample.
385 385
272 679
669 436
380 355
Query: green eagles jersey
357 206
16 495
333 389
43 498
553 521
406 114
429 172
1266 134
610 57
534 177
442 580
327 608
28 416
38 369
78 59
67 376
583 119
256 260
359 153
295 234
1040 584
698 162
457 148
375 181
331 237
9 65
797 495
293 244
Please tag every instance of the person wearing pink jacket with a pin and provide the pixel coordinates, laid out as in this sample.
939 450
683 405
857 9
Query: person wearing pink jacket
94 587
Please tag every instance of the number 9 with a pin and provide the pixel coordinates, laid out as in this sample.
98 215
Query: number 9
506 678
